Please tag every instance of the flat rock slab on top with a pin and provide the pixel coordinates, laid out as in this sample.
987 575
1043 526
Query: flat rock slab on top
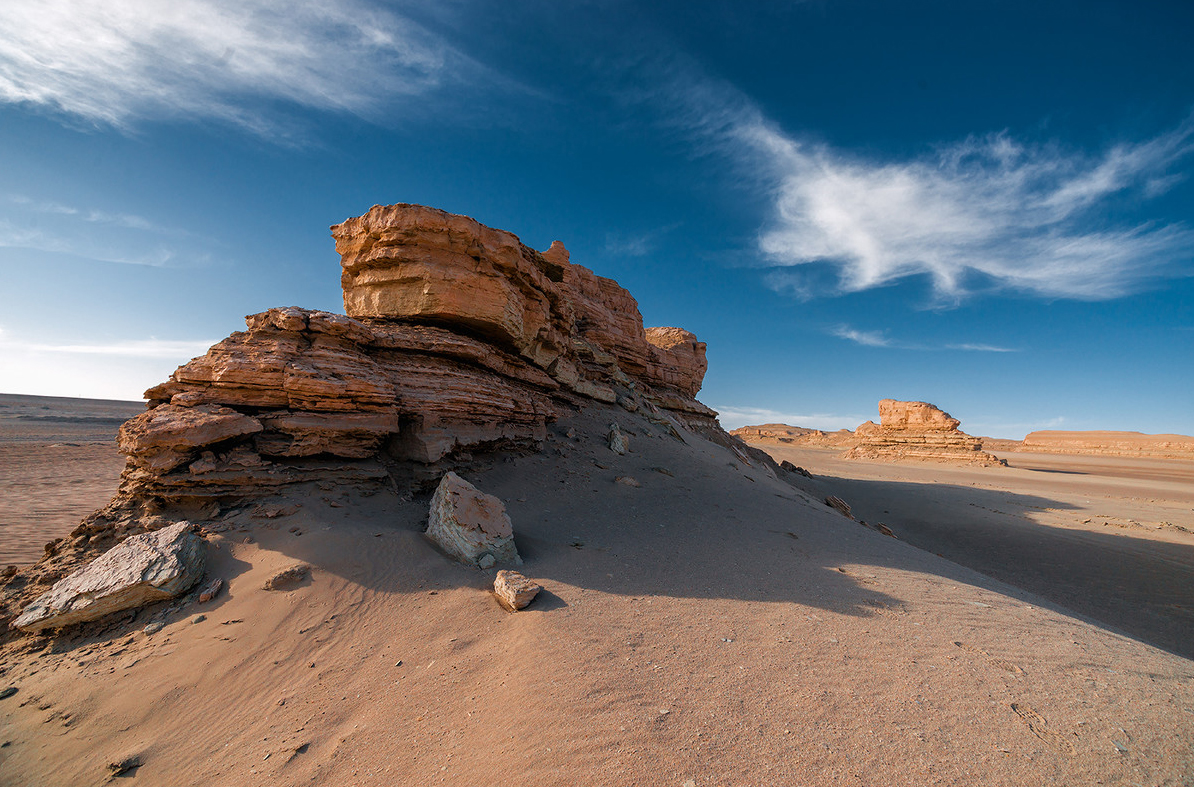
470 525
140 570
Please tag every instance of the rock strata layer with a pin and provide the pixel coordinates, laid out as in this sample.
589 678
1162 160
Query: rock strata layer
140 570
917 431
457 337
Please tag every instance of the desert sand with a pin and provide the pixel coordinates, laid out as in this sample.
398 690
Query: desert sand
58 463
1111 538
715 625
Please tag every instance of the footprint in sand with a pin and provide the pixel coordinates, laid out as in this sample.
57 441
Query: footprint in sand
1040 728
1015 669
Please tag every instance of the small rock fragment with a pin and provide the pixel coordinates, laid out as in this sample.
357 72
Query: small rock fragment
199 618
791 468
287 578
664 471
7 692
618 442
154 628
514 590
839 505
210 590
273 512
124 764
626 480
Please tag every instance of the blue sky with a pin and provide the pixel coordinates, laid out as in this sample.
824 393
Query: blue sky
988 207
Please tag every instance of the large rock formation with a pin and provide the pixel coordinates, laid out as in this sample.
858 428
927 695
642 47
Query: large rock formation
458 336
918 431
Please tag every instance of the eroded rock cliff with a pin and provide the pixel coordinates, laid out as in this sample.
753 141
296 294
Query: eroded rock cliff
457 337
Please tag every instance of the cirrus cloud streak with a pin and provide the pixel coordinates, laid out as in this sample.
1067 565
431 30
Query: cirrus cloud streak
117 62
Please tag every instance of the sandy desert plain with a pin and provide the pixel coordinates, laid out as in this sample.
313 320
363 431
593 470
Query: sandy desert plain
706 619
1029 625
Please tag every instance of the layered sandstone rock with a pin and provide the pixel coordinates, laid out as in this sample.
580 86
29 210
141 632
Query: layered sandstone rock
458 337
917 431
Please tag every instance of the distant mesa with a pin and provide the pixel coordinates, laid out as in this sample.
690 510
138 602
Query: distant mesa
1100 443
917 431
782 434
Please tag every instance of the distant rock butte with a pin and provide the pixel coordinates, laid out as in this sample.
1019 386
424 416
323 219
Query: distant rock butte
457 336
782 434
917 431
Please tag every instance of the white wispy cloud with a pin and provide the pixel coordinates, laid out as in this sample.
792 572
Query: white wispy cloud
980 214
732 417
881 339
104 236
980 348
128 348
865 338
636 244
988 212
116 62
118 369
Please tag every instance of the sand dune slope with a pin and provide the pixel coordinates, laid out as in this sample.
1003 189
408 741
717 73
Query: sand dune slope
713 626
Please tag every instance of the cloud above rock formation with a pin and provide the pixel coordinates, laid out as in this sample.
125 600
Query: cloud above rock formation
95 234
986 213
733 417
118 62
881 339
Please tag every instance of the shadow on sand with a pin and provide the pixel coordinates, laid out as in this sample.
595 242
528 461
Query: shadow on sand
1138 586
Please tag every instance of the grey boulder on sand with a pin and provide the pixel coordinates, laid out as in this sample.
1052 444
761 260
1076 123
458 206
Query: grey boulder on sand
470 525
140 570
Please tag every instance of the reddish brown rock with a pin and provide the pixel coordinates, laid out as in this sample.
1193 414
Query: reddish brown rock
458 336
917 431
420 264
164 437
677 359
